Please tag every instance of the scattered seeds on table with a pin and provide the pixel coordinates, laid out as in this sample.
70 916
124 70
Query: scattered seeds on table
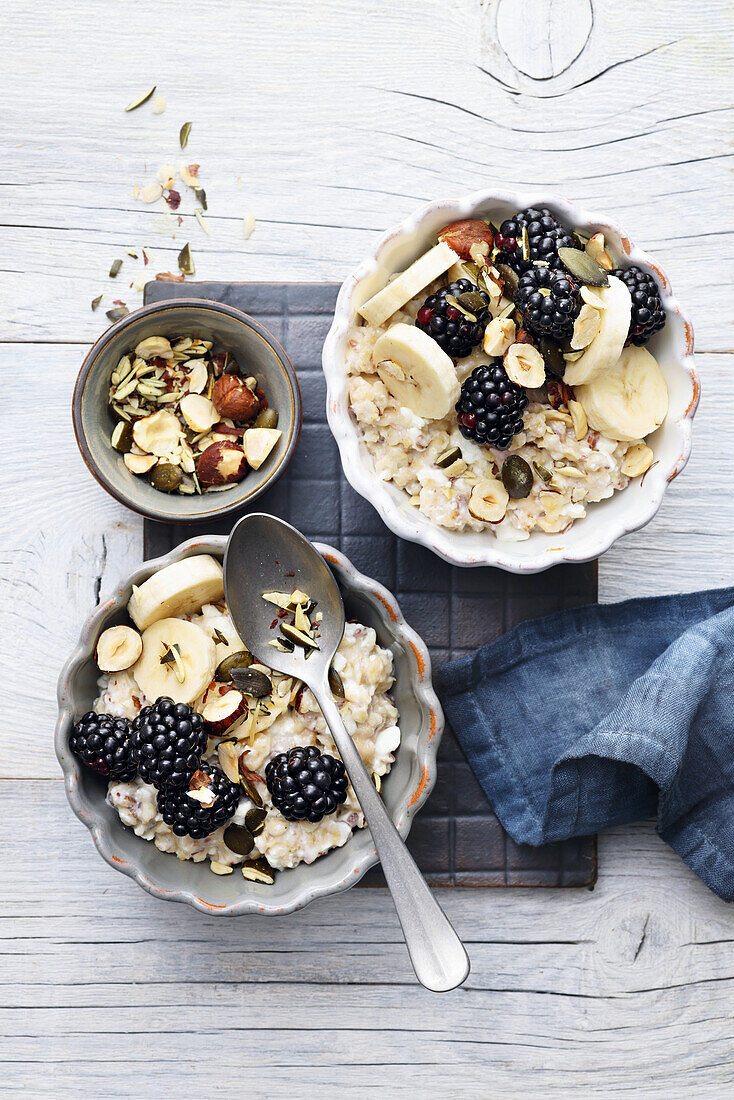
185 262
184 134
140 100
115 269
96 301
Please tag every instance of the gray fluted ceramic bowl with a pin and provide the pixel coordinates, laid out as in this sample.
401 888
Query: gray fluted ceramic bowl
404 790
248 342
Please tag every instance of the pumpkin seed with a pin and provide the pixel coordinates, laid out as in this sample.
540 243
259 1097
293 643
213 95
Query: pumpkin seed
241 659
582 238
552 356
238 839
448 457
250 681
298 637
166 477
219 637
452 301
511 278
201 196
517 477
472 299
543 474
469 271
183 135
122 437
248 786
115 269
336 684
583 267
140 100
268 418
258 870
377 780
96 301
185 262
255 820
117 313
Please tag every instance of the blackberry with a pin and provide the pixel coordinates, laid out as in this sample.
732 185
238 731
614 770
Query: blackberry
306 783
553 313
169 740
103 743
189 817
490 407
452 331
545 236
648 315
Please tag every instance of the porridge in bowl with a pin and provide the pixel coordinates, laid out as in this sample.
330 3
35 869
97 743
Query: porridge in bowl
502 381
213 756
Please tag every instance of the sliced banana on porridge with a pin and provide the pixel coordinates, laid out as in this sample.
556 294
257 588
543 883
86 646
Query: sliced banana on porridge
630 400
178 661
416 371
118 648
178 589
606 347
409 283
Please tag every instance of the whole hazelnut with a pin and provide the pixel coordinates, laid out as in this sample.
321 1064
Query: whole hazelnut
221 464
233 399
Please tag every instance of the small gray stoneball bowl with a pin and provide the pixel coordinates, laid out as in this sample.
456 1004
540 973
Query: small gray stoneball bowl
404 790
257 352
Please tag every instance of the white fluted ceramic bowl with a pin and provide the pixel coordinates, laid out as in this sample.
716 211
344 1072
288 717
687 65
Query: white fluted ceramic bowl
404 790
606 521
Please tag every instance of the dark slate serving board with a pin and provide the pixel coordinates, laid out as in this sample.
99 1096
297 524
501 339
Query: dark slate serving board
456 839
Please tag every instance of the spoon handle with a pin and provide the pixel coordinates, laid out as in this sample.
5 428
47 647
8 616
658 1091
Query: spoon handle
436 952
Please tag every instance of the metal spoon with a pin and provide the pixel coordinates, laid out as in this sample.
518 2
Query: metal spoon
264 554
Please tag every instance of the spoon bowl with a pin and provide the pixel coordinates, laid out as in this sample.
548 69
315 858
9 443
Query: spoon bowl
262 553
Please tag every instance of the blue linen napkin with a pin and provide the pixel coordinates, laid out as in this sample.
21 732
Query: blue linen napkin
603 715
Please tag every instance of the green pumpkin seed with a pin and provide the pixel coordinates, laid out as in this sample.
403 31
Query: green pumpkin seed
140 100
517 477
255 820
241 659
115 269
452 301
185 262
117 313
250 681
238 839
472 299
552 356
166 477
448 457
122 437
250 789
183 135
258 870
543 474
583 267
511 279
336 684
96 301
298 637
268 418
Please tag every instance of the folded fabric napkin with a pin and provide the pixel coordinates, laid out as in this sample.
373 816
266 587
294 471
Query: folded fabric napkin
607 714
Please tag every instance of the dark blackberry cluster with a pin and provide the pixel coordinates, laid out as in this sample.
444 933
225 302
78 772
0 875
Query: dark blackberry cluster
104 744
305 783
169 739
551 313
490 407
452 331
189 817
545 236
648 315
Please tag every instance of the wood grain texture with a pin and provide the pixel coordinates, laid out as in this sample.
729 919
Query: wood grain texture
338 119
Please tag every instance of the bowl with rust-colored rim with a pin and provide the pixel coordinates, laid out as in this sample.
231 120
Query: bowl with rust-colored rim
606 521
256 351
404 790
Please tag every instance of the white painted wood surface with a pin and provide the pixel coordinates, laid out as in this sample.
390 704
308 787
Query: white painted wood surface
338 119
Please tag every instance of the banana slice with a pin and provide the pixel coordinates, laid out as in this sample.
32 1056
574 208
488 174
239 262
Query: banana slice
178 589
118 648
409 283
630 400
178 660
416 371
606 347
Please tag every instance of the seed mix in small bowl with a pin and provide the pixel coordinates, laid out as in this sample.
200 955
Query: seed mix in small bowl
190 419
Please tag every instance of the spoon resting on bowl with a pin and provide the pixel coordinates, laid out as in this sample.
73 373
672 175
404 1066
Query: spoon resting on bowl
261 552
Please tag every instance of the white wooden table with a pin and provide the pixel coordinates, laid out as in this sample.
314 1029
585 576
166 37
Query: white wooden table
338 118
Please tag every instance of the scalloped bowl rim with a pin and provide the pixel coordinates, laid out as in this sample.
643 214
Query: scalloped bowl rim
587 538
284 899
